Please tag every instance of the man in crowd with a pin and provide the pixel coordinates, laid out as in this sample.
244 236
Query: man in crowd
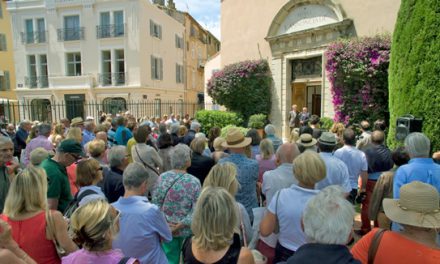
194 129
336 170
293 117
270 134
10 130
6 151
316 126
379 160
355 161
304 117
143 227
66 124
89 132
112 184
21 136
58 190
123 134
365 136
247 169
40 141
77 122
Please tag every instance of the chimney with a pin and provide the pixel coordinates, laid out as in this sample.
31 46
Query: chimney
171 4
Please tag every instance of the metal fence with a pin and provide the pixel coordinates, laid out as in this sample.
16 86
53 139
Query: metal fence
44 110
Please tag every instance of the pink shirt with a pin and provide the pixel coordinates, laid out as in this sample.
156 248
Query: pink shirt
265 165
107 257
40 141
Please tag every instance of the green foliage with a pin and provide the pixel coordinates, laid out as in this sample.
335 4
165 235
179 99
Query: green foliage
415 67
257 121
243 87
226 129
214 118
326 123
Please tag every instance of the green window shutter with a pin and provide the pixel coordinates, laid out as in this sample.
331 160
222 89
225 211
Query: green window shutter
153 68
161 69
7 81
160 31
151 28
2 42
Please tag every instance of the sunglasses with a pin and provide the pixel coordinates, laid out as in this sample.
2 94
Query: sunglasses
76 157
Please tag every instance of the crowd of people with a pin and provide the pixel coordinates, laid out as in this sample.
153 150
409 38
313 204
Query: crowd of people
122 190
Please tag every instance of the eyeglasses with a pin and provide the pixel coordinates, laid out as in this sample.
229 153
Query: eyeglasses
76 157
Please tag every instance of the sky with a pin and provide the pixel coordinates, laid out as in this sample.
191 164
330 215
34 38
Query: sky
206 12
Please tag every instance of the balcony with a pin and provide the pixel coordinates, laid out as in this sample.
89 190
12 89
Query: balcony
33 37
110 31
36 81
69 34
108 79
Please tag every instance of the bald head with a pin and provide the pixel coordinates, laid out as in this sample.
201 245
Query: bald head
377 137
102 135
287 152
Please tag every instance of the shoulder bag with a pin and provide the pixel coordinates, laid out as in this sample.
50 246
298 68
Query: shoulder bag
375 245
277 221
146 164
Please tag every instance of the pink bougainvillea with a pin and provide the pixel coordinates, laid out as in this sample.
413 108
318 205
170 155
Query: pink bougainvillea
358 73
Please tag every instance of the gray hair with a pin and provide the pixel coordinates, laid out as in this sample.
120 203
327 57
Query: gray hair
24 122
195 125
116 155
269 129
417 145
88 125
44 129
174 129
134 175
328 217
5 140
180 156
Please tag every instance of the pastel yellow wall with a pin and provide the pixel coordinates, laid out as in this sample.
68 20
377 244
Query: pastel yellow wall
7 57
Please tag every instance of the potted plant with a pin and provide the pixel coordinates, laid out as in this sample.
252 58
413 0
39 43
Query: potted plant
257 121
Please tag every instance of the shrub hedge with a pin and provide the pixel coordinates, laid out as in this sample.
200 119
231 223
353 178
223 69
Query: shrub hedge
415 67
214 118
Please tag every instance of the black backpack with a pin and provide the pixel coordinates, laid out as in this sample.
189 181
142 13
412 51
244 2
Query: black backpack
75 202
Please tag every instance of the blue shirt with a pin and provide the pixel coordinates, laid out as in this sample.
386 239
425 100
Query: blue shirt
87 137
111 137
355 160
98 194
336 173
418 169
122 135
142 225
247 175
277 142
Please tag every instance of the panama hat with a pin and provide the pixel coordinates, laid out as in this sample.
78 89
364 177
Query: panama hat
418 206
327 138
77 121
236 139
306 140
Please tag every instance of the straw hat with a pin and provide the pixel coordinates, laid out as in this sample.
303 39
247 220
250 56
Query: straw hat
236 139
327 138
77 121
418 206
306 140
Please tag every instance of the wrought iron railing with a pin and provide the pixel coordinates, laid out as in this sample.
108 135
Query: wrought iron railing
36 81
116 78
110 31
34 37
69 34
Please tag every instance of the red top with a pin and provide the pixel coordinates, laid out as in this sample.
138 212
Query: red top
30 235
395 248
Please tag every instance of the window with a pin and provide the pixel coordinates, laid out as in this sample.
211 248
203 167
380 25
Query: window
41 30
44 81
111 24
155 30
179 73
2 42
5 84
157 107
72 29
119 67
29 31
37 71
156 68
106 76
1 11
118 17
32 69
73 64
179 42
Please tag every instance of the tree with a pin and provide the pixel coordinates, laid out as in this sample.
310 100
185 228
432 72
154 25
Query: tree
414 78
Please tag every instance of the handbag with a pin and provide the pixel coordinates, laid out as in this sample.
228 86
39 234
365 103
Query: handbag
50 227
277 222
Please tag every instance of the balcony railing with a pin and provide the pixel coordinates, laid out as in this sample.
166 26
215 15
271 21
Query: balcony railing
37 81
69 34
33 37
108 79
110 31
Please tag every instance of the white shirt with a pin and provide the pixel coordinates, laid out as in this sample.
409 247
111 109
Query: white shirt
355 160
336 173
291 204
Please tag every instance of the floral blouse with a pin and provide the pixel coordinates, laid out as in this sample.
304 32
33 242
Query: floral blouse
176 195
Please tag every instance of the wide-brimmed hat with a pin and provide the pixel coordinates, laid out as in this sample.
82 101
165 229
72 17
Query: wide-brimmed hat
306 140
327 138
418 206
77 121
236 139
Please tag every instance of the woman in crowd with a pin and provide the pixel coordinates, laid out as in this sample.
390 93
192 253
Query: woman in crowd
418 212
288 205
32 224
200 164
270 134
88 175
182 132
145 154
10 252
266 159
255 143
338 130
98 151
225 175
384 189
214 133
33 133
94 226
75 134
57 134
176 194
214 240
165 148
219 152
